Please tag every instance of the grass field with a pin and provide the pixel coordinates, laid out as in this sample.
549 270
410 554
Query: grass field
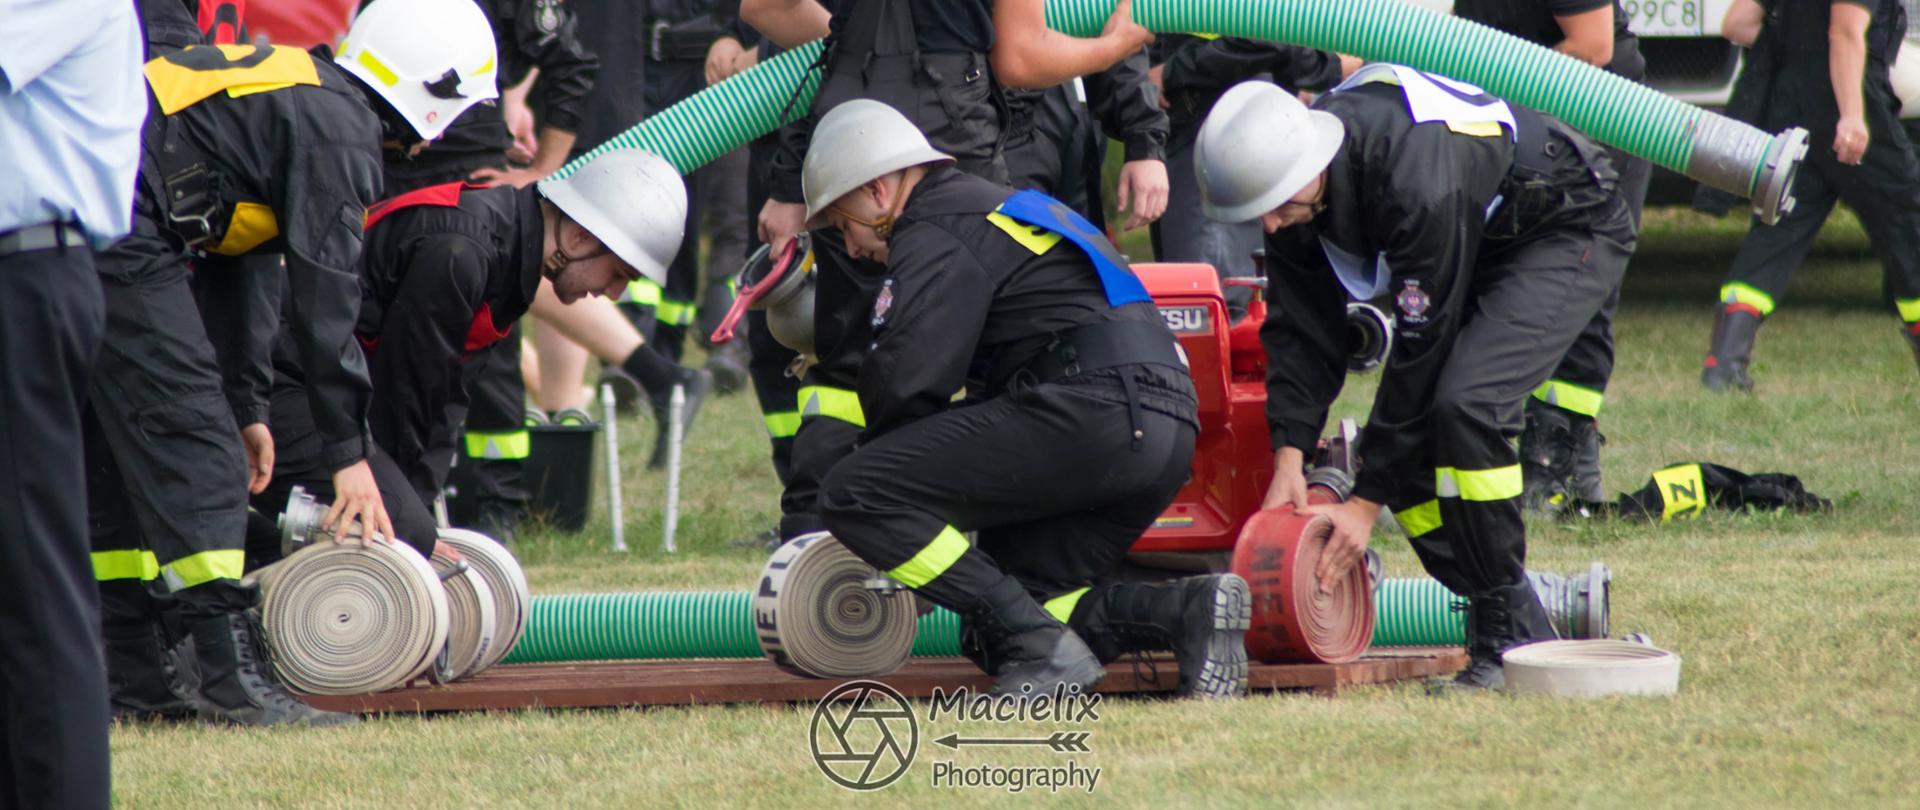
1801 634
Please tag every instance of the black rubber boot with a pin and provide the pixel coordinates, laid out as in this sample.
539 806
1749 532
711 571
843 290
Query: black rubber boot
498 519
1203 620
728 364
238 686
1548 448
1584 483
1028 651
1497 621
146 677
1731 350
697 382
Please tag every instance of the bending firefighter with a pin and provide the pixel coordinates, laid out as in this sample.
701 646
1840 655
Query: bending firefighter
1077 430
1496 232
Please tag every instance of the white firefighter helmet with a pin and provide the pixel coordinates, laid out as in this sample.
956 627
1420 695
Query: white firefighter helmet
633 201
856 142
1258 148
430 59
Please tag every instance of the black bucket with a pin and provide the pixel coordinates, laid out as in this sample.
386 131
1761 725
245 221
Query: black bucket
558 473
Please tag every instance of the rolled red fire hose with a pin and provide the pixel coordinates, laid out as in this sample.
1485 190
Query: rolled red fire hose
1293 621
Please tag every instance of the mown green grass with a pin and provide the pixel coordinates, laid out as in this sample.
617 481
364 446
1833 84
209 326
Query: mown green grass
1799 633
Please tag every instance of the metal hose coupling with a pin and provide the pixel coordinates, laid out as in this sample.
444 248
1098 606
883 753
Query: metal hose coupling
1369 337
817 612
1579 604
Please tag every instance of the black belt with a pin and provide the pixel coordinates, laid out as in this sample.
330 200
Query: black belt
1109 344
41 237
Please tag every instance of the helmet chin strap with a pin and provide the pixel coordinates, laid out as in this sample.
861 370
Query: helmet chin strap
883 225
557 261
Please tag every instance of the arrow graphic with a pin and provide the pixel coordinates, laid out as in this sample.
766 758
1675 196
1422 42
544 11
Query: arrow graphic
1061 742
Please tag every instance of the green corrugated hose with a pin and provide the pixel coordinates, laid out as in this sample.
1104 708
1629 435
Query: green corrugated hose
1713 149
625 626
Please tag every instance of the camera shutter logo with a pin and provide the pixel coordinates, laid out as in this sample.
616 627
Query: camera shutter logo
863 735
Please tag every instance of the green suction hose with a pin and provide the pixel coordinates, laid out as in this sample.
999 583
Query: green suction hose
1713 149
1417 613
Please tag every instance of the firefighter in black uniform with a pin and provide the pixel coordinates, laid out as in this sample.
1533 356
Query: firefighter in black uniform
1077 430
1497 233
938 60
541 34
1560 446
1859 154
247 150
450 268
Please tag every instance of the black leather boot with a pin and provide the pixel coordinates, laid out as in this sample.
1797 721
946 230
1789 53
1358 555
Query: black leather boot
1584 482
146 678
1731 350
698 382
1028 651
1548 448
1498 620
728 364
238 686
1203 620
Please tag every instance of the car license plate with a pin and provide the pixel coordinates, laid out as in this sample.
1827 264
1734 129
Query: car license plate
1666 18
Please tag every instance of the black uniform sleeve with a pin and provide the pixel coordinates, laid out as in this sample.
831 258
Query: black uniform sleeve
930 310
1304 337
1211 66
329 179
1124 103
241 296
421 341
549 39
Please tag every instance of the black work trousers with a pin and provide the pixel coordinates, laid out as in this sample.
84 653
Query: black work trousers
767 360
496 440
1579 383
1530 302
166 473
53 681
1048 475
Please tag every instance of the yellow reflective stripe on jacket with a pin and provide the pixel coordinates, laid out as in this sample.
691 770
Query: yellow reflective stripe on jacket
1738 293
207 566
132 563
1061 607
836 403
1683 492
1583 401
1909 309
644 292
249 227
783 424
513 444
676 313
932 561
184 78
1419 520
1496 484
1032 237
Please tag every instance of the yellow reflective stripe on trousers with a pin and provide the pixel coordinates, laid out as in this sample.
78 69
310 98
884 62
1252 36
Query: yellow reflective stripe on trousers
644 292
1419 520
783 424
1496 484
1061 607
207 566
515 444
1738 293
675 313
1909 309
131 563
1583 401
1683 492
932 561
837 403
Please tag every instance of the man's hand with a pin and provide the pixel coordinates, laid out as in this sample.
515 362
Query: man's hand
1352 526
518 178
259 443
1850 140
520 124
721 58
1128 36
780 222
1144 184
356 498
1289 480
442 548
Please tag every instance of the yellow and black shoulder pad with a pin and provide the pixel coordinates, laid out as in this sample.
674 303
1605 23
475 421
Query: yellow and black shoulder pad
186 77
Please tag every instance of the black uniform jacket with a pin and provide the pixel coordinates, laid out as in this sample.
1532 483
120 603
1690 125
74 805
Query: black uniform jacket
429 271
970 301
1416 197
293 170
1195 72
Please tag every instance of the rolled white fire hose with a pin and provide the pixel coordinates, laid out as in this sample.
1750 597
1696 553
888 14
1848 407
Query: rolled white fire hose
507 584
822 611
349 619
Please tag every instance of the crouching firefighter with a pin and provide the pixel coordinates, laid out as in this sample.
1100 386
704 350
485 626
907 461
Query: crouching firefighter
1076 432
247 152
1497 234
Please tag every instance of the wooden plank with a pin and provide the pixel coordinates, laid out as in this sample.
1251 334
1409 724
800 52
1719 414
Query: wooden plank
661 683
